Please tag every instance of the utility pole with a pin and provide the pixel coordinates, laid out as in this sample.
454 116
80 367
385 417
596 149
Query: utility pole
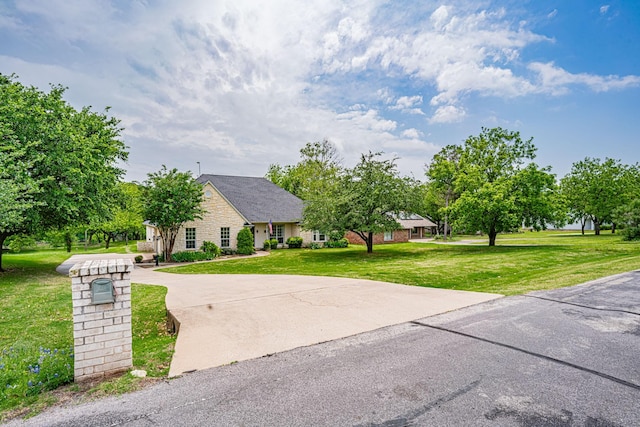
198 168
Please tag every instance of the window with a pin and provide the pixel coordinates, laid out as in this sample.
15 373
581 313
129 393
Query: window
319 236
225 240
388 235
190 238
278 233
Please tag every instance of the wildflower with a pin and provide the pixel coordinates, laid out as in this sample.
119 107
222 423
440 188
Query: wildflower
1 365
30 383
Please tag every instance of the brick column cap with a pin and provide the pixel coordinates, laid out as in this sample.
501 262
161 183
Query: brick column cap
85 268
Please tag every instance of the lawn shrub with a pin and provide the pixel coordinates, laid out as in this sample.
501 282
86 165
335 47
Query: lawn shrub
273 243
266 245
631 233
341 243
315 245
245 242
190 256
138 259
210 248
20 242
294 242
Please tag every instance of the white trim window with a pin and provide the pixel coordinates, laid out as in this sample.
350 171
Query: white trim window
225 237
388 236
319 236
278 233
190 238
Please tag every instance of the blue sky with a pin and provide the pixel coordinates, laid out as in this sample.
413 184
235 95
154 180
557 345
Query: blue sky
236 85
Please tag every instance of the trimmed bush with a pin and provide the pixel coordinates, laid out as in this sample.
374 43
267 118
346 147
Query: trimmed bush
190 256
273 243
341 243
315 245
245 242
210 248
138 259
266 245
294 242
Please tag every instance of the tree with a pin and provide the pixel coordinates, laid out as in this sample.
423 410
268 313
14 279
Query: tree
172 198
594 189
496 192
442 172
58 165
125 216
367 200
314 175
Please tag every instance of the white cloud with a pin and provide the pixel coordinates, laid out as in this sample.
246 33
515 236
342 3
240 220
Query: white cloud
407 104
556 81
552 14
412 133
604 9
448 114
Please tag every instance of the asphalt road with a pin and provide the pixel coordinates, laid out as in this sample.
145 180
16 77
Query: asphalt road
568 357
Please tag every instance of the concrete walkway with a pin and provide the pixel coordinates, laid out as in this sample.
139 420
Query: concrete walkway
226 318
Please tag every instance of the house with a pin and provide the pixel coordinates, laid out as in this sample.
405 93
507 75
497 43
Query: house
235 202
412 226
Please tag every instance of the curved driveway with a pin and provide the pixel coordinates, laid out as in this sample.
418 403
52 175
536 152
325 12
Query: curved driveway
226 318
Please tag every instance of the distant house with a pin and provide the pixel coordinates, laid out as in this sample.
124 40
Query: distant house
235 202
412 226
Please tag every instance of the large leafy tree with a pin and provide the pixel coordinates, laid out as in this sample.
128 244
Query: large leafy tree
171 199
594 189
314 175
58 165
499 188
367 200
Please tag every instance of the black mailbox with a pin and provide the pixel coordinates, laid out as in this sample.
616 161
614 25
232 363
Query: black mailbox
102 291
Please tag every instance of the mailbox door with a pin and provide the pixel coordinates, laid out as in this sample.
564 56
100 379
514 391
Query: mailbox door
102 291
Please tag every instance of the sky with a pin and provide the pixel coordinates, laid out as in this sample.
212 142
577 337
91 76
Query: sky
230 87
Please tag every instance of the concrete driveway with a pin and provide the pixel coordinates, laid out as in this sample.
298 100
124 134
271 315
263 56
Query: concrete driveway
229 318
566 357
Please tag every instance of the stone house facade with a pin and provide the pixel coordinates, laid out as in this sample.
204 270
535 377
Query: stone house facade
235 202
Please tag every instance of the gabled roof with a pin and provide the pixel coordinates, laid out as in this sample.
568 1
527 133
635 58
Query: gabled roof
257 199
414 220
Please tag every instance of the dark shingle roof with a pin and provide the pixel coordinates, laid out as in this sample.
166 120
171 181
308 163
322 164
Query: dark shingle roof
257 199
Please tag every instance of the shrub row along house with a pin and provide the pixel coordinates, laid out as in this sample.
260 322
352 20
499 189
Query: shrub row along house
235 202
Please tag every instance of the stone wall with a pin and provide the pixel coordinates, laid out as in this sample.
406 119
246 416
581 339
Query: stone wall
101 332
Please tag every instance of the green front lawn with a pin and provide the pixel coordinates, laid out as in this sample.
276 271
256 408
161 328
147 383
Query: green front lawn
36 332
520 262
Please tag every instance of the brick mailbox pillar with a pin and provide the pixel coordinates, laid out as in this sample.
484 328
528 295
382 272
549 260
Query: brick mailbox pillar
101 292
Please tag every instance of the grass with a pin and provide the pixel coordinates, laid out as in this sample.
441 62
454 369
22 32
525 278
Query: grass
520 263
36 323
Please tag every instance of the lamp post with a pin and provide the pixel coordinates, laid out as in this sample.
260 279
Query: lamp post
198 168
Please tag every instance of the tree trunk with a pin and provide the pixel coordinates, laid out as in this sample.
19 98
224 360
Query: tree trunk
3 237
446 216
613 228
596 226
492 236
370 242
67 240
583 222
